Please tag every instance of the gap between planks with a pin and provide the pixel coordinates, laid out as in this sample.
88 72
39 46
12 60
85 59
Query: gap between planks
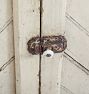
66 89
7 63
70 18
76 63
41 1
6 25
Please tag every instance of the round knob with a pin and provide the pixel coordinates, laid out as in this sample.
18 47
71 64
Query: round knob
48 53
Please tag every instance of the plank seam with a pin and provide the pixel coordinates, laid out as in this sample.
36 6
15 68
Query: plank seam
7 63
70 18
40 58
66 89
76 63
6 25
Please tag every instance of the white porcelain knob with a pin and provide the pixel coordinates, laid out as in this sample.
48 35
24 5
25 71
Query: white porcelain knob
48 53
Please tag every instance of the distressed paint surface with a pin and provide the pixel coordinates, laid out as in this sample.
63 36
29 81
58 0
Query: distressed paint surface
53 23
73 82
26 25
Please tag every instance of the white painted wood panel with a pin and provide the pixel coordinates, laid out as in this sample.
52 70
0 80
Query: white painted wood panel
77 30
7 72
79 10
5 13
74 78
53 17
6 45
51 75
53 23
7 79
78 45
26 25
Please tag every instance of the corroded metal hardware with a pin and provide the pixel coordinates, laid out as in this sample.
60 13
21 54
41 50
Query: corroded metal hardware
37 45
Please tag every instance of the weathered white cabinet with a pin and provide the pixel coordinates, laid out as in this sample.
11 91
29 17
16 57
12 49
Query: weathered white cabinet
23 73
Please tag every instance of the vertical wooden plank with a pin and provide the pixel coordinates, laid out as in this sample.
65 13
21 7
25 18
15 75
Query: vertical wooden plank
26 25
53 23
51 75
53 19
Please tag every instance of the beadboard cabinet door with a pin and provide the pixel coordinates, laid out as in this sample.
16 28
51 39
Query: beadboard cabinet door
37 74
64 73
24 73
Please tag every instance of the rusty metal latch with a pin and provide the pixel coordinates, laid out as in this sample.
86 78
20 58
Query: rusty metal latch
37 45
